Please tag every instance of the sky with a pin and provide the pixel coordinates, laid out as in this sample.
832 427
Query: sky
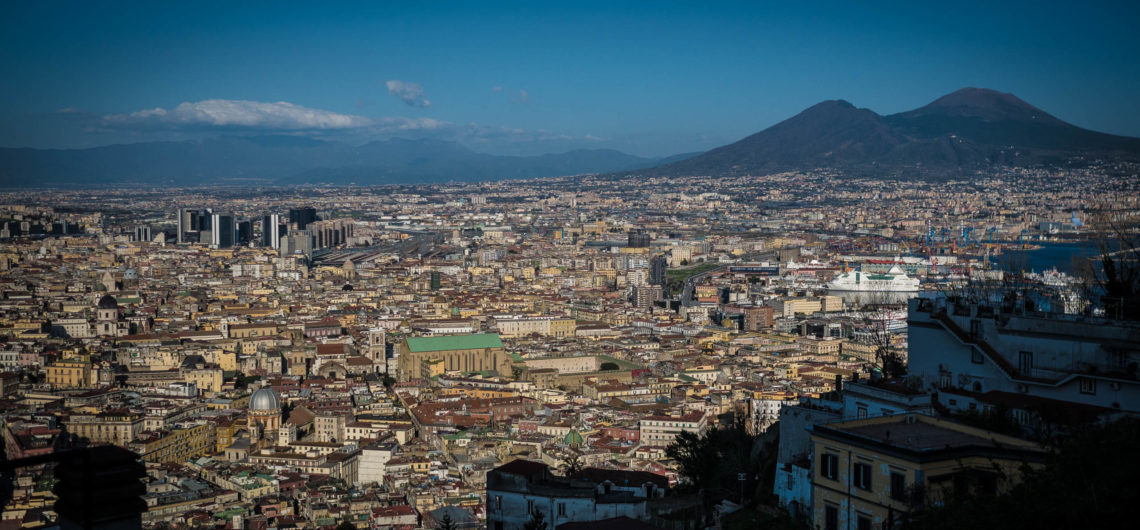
648 78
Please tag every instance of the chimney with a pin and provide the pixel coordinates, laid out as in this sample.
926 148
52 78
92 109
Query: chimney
838 382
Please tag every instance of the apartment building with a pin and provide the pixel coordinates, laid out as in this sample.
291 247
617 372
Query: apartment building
870 472
660 431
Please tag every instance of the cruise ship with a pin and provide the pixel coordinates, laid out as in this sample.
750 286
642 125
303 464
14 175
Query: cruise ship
892 281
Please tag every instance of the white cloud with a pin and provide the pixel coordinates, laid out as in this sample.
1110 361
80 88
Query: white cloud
235 113
203 118
408 92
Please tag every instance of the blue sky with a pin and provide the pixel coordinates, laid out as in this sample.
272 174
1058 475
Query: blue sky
650 78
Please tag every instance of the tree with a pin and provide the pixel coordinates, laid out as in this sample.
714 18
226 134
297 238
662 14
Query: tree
537 521
445 523
345 525
1089 481
1119 280
573 465
713 464
607 366
876 323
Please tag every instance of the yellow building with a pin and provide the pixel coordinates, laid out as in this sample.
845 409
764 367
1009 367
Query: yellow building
463 353
178 445
868 471
208 378
70 372
432 368
117 427
247 331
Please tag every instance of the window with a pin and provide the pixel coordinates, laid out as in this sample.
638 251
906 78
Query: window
898 486
562 509
530 506
829 466
862 522
976 356
1025 362
498 502
830 517
945 380
862 412
862 476
1088 385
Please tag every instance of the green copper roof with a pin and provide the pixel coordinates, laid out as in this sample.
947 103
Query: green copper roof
454 342
573 438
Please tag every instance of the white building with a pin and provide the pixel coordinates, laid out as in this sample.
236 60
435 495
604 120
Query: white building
660 431
977 348
373 460
517 489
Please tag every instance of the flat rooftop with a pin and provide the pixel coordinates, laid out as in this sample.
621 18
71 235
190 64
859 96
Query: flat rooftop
919 432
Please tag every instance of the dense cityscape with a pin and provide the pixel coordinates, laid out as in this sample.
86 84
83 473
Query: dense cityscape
394 356
585 265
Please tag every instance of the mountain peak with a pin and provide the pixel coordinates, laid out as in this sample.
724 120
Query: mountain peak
986 104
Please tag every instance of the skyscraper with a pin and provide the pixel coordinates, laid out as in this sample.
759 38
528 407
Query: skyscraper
638 239
244 231
657 270
302 216
271 231
222 230
184 221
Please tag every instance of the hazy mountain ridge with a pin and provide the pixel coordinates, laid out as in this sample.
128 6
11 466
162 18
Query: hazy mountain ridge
292 160
958 133
967 130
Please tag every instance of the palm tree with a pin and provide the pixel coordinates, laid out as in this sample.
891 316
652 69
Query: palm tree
537 521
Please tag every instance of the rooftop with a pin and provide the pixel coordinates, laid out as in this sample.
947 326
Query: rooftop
922 433
454 342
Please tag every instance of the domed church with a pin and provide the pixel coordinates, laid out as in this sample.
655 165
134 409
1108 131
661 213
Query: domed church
264 414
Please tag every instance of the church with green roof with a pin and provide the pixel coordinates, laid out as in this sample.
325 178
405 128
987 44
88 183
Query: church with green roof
477 352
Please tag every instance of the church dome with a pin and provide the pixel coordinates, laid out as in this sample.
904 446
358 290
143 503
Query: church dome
108 302
573 438
265 399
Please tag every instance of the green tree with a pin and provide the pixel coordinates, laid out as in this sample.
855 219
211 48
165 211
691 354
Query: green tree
607 366
345 525
1088 481
725 463
445 523
573 465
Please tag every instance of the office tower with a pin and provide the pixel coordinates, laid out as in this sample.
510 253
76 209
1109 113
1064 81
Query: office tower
302 217
638 239
298 241
186 218
331 233
657 270
244 232
143 233
222 230
271 231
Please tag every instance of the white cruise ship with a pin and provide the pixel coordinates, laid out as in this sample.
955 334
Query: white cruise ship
892 281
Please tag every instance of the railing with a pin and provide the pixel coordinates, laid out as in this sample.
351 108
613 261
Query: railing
967 338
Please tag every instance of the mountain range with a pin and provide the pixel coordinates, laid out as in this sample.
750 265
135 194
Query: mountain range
292 160
959 133
971 129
